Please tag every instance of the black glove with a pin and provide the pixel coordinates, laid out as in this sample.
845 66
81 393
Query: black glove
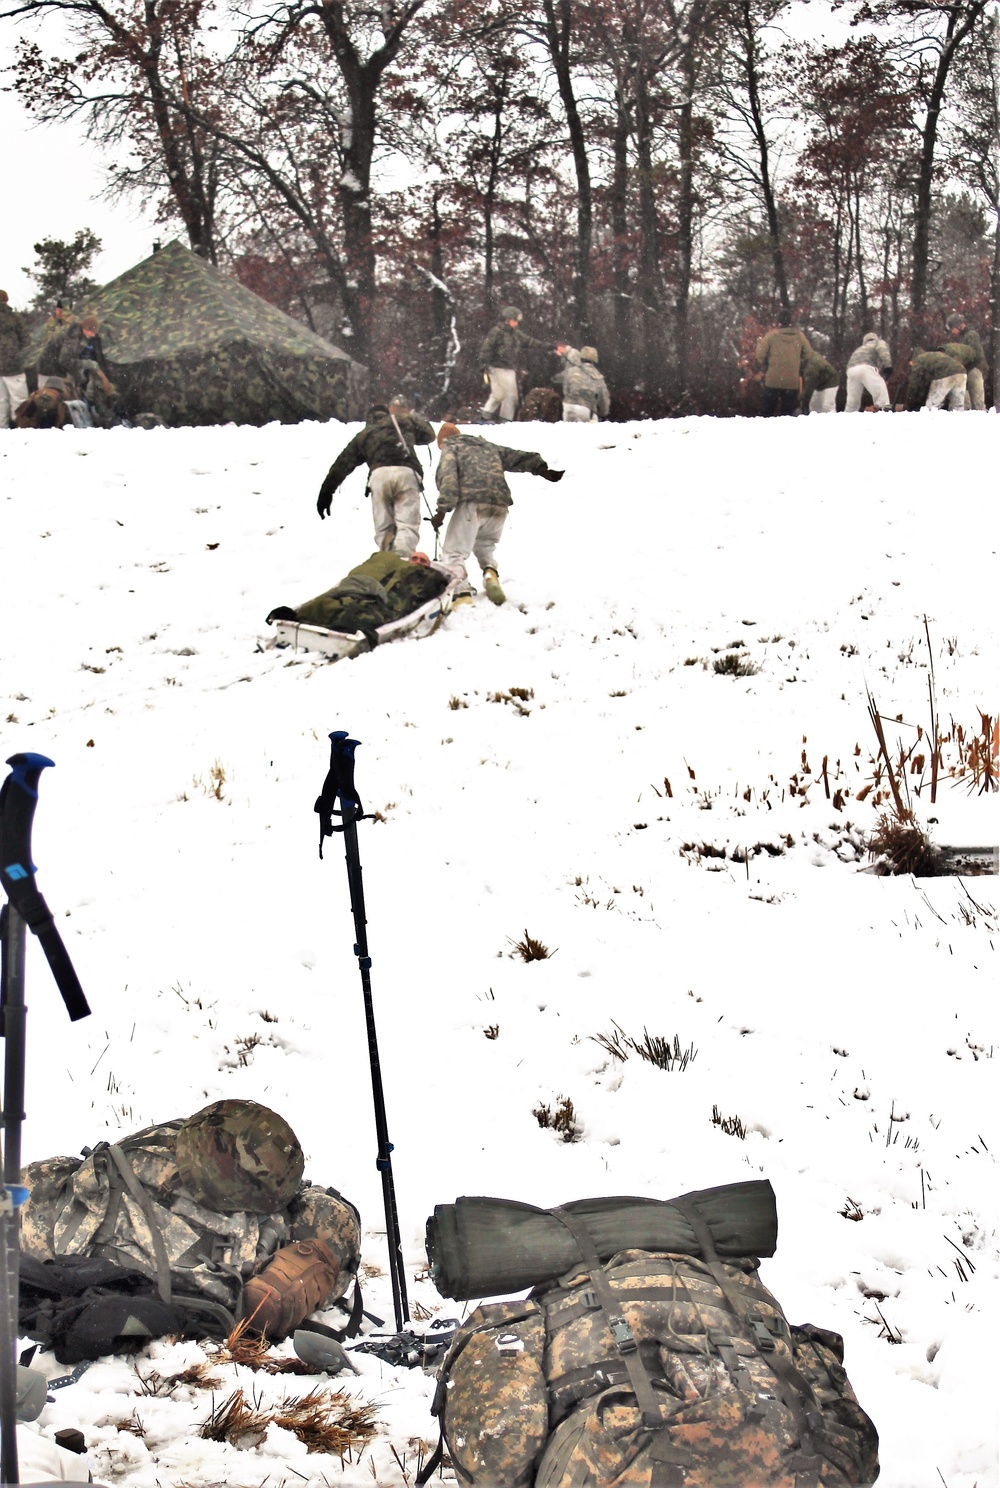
437 521
553 475
323 502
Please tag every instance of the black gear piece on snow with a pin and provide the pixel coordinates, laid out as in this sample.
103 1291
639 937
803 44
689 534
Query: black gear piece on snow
339 786
25 908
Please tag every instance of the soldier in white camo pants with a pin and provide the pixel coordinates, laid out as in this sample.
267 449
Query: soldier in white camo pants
472 488
395 494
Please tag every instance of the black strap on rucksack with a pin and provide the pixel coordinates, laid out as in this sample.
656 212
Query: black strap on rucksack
85 1308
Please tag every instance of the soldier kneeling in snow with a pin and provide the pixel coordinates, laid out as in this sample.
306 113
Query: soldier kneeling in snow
471 486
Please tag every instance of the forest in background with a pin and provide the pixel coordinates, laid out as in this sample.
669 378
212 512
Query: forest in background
653 177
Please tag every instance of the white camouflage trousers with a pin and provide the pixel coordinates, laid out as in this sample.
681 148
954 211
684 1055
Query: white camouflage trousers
395 493
947 392
578 413
13 392
474 529
503 392
824 400
858 379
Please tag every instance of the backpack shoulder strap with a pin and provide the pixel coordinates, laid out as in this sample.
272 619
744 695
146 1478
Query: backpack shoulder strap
798 1394
142 1198
622 1335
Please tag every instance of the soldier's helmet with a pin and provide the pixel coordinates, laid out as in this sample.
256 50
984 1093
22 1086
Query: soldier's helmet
588 354
237 1155
511 312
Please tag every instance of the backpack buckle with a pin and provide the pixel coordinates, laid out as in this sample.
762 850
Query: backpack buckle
624 1338
588 1299
763 1338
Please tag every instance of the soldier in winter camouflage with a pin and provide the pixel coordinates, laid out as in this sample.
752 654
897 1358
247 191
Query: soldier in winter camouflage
47 359
13 383
585 393
387 444
937 380
382 589
500 353
471 486
959 330
820 381
866 370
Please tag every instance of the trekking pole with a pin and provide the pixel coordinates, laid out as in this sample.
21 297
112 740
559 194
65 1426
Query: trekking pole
25 909
339 785
430 518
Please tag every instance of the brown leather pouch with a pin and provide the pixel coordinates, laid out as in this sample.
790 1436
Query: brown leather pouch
299 1279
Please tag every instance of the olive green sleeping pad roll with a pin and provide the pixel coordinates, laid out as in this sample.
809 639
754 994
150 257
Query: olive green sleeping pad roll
483 1247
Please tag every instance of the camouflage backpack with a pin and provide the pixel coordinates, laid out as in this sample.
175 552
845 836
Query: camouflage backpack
172 1219
653 1370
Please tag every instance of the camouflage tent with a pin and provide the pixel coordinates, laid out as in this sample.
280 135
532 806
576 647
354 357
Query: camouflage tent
187 342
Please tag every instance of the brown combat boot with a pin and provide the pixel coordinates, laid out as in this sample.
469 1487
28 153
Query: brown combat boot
491 583
298 1280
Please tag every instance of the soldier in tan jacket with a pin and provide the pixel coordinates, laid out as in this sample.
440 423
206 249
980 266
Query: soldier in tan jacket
782 353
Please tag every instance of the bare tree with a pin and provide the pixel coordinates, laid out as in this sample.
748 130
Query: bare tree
130 66
745 88
931 33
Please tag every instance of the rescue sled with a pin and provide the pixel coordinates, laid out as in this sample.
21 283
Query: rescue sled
338 644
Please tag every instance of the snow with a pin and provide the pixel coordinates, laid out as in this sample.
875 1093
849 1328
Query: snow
846 1019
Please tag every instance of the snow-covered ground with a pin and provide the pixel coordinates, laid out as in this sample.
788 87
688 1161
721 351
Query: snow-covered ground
571 766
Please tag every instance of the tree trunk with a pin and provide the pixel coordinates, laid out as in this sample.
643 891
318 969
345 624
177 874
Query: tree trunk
558 30
650 278
185 186
489 202
994 330
357 143
763 152
685 230
439 300
619 229
956 32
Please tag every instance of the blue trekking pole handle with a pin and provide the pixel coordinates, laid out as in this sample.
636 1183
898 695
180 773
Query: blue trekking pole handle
339 787
18 799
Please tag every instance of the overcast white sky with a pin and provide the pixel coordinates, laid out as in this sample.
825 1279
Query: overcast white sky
51 186
53 180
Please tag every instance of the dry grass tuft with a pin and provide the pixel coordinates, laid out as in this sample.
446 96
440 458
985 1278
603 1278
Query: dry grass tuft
731 1125
200 1376
235 1420
899 845
653 1048
530 949
252 1351
734 665
562 1120
332 1423
516 696
327 1422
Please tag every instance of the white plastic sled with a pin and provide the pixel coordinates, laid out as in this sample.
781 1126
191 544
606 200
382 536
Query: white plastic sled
337 644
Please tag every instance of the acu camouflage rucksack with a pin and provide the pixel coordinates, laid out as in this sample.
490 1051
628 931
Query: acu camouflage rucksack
652 1370
159 1233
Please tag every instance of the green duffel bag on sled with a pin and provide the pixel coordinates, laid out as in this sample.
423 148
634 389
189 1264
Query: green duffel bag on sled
652 1369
